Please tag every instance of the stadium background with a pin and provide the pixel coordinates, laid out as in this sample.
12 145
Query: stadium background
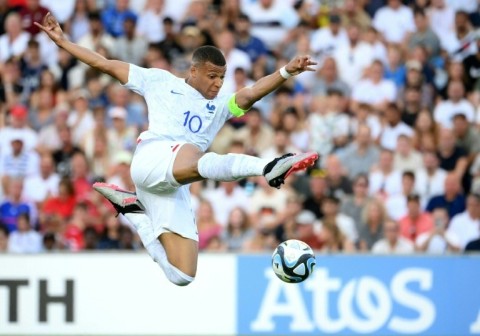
394 110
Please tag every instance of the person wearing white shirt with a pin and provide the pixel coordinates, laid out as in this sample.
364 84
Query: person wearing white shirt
406 157
445 110
374 90
150 21
394 21
236 58
271 19
385 180
465 226
430 180
441 17
24 240
394 128
396 205
81 119
45 184
14 42
353 56
393 242
325 41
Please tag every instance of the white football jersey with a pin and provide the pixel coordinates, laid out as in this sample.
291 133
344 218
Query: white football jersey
176 111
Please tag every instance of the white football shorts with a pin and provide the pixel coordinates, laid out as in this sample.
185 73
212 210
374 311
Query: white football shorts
167 203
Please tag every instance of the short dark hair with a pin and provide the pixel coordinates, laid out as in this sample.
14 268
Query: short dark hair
210 54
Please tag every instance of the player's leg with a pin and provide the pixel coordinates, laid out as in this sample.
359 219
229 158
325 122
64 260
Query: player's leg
191 164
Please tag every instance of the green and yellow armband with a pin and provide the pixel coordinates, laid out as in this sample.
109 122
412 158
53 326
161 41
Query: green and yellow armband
236 110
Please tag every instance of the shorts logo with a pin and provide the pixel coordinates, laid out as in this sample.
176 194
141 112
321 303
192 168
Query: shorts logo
174 148
175 92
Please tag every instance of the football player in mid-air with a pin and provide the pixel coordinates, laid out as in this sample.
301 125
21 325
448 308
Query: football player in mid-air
184 116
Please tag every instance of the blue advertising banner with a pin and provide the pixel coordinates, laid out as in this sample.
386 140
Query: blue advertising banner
351 295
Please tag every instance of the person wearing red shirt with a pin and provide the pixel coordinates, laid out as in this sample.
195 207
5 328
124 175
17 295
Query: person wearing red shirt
415 222
30 13
63 204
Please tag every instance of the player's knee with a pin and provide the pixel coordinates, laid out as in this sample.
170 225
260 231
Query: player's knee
178 277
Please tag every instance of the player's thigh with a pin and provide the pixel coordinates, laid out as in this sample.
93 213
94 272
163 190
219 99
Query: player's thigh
181 252
185 166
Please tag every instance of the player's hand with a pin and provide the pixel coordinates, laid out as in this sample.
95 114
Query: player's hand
52 28
300 64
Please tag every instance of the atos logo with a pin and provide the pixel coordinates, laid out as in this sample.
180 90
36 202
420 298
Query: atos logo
362 305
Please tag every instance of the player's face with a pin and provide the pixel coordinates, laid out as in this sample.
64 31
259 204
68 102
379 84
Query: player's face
208 79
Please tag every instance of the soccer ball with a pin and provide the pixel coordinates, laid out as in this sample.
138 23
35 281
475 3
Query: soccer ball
293 261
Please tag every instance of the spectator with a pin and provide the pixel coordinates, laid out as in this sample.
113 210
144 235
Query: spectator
30 13
234 57
122 97
120 136
90 239
15 40
80 176
365 115
306 223
406 157
39 187
281 145
64 154
436 241
325 41
430 180
354 13
396 205
337 181
374 217
120 170
330 209
374 89
394 21
13 205
318 191
31 66
237 231
353 57
467 135
270 19
18 127
113 18
49 136
333 240
256 135
393 128
445 110
465 226
424 35
327 79
415 222
393 242
442 18
80 119
395 69
61 205
287 229
360 155
150 21
12 89
385 180
415 80
3 238
452 199
20 163
354 205
110 237
97 36
207 225
411 105
226 197
248 43
296 129
24 239
5 9
471 64
130 48
452 157
78 21
425 136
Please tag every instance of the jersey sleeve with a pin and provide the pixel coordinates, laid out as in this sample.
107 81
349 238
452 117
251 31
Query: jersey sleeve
140 79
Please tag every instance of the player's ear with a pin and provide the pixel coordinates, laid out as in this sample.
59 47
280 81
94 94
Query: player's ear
193 71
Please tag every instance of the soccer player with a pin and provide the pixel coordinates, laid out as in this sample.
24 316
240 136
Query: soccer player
184 117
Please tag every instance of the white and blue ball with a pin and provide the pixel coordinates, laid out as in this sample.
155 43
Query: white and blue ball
293 261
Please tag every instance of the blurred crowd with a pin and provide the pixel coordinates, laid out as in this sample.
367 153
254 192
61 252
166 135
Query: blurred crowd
393 109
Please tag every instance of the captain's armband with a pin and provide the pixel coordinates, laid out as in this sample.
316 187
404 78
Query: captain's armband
236 110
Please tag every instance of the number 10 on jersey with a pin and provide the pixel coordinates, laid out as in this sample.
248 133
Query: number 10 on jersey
193 122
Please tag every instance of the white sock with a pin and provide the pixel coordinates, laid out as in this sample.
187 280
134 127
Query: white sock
144 228
230 167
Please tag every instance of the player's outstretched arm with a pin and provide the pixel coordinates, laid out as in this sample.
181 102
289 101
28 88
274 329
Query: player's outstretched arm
116 69
247 96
